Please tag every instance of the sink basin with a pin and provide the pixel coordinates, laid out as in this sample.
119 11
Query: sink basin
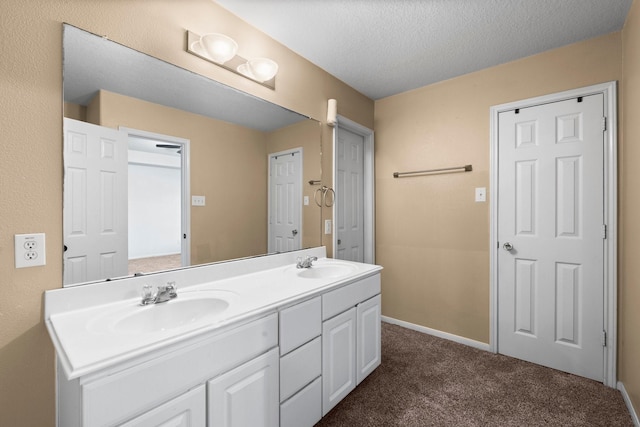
188 309
170 315
326 271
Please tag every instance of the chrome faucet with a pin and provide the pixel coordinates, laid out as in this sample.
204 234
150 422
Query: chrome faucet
163 293
306 262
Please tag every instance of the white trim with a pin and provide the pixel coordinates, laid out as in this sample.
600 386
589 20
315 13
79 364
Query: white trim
299 179
627 401
610 215
185 185
445 335
369 185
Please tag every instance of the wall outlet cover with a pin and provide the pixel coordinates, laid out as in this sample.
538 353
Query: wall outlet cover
30 250
327 226
198 201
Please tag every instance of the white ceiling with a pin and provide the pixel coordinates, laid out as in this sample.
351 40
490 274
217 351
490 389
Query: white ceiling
385 47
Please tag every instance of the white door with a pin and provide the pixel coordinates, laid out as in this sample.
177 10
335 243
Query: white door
369 344
285 201
350 196
95 202
248 395
550 234
338 358
186 410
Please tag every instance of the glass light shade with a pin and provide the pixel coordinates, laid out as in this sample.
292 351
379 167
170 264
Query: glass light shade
219 47
262 69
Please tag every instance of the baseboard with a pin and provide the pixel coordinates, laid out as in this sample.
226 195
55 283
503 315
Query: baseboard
439 334
627 401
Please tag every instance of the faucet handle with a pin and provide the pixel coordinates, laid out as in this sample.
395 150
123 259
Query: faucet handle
172 289
147 292
148 296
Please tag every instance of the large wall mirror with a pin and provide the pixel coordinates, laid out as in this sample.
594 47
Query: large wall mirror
165 168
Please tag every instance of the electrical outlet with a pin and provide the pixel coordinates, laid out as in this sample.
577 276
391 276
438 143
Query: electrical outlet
30 250
327 226
197 201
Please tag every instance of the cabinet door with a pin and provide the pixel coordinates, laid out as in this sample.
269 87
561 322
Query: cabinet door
186 410
247 396
338 358
368 346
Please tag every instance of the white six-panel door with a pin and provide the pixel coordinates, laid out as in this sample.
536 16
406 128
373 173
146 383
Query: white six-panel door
95 202
550 235
350 196
285 201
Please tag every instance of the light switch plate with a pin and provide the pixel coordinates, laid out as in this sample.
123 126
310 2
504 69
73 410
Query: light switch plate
305 200
197 201
481 194
30 250
327 226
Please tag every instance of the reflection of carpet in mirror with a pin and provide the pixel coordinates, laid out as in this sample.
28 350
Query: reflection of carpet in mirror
156 263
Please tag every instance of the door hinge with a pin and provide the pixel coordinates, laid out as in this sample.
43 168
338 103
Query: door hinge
604 231
604 338
604 124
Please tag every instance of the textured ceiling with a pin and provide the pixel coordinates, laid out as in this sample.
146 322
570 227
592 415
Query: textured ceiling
384 47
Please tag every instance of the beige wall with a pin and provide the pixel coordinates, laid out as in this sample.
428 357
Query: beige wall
432 238
31 161
305 134
629 202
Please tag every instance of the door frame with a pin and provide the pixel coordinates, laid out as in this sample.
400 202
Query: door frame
299 178
609 91
369 185
185 173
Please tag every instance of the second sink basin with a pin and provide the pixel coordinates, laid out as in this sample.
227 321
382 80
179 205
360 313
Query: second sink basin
326 271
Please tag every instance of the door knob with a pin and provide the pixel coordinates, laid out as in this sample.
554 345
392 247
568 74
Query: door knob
294 232
507 246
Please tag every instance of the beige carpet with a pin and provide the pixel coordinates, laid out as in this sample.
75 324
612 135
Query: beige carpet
428 381
158 263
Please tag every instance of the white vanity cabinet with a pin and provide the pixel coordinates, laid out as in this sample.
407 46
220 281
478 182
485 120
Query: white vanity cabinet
169 387
301 364
350 338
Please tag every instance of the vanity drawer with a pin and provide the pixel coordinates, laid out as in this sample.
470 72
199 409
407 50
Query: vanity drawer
114 398
335 302
300 367
299 324
304 409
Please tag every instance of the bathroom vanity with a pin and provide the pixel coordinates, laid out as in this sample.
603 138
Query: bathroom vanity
252 342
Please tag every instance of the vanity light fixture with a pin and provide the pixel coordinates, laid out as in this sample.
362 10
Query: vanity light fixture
222 50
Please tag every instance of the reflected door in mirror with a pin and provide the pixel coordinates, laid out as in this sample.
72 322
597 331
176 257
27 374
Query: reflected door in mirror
95 220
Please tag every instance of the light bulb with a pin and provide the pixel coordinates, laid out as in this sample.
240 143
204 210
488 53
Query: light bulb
219 47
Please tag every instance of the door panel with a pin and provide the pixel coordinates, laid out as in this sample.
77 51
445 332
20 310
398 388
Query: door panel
551 210
338 358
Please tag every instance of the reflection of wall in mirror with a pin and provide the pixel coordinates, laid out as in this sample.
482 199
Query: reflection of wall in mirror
228 166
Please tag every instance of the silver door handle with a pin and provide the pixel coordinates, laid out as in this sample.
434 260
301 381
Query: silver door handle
294 232
507 246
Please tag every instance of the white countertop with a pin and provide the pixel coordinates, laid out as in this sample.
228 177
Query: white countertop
85 343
